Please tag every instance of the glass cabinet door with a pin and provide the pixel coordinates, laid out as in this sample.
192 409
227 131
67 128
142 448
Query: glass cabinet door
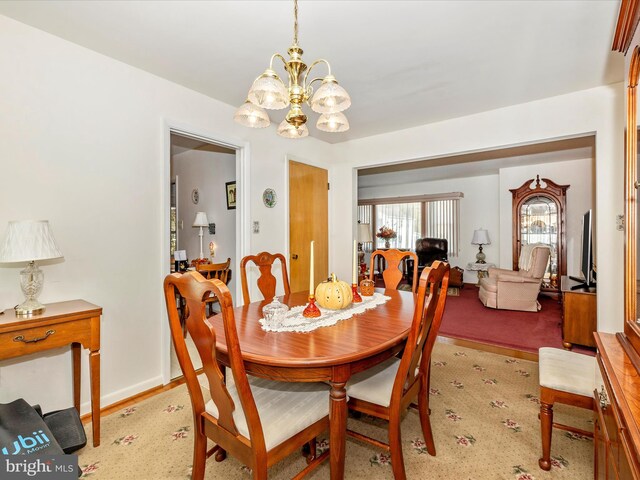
539 224
538 217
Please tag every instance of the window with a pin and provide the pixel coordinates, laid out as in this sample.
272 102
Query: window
404 219
412 218
442 221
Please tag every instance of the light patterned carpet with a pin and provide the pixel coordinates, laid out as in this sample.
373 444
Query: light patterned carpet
484 416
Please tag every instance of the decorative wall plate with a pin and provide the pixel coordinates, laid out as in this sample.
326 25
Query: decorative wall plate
270 198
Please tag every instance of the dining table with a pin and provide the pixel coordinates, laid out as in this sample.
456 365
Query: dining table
329 354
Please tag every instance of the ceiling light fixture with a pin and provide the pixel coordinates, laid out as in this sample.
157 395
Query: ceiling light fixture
268 91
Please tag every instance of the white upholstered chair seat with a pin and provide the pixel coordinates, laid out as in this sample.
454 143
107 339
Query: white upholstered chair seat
285 408
567 371
375 385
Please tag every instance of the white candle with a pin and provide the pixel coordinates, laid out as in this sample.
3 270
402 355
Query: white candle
311 286
355 262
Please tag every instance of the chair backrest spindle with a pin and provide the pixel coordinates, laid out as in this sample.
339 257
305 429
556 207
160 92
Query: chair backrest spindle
266 282
392 274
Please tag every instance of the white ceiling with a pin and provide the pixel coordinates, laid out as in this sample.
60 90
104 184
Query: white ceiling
405 63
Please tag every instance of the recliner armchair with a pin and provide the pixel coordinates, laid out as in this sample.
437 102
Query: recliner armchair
519 289
428 250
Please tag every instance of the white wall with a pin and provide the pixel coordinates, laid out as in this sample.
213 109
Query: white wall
82 144
478 209
598 111
580 198
208 172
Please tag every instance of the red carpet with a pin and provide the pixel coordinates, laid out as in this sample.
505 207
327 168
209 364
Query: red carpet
466 318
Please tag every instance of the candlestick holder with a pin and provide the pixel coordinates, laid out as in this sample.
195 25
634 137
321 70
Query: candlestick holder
311 310
356 296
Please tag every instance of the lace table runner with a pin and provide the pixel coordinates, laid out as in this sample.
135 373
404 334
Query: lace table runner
295 322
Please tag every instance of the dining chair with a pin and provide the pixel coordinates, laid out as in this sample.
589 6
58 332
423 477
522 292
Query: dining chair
565 377
393 273
214 270
258 421
388 389
266 282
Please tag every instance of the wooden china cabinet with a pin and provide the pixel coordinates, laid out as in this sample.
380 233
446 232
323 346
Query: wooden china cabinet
617 415
538 216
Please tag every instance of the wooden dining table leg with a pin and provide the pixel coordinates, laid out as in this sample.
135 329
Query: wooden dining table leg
338 422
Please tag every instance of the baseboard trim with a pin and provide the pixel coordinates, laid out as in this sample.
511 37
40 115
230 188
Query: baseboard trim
509 352
137 397
144 392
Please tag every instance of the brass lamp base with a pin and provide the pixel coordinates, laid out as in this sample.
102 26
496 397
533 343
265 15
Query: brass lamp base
29 308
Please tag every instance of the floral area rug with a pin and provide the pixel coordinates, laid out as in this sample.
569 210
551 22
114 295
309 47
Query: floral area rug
484 414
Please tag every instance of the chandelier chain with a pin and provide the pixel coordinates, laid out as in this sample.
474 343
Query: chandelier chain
295 22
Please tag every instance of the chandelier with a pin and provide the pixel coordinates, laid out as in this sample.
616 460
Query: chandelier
269 92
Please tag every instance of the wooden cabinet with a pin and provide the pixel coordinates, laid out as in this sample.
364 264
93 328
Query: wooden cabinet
579 314
617 447
617 413
538 216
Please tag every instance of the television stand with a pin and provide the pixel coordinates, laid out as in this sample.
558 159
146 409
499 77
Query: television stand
579 313
582 283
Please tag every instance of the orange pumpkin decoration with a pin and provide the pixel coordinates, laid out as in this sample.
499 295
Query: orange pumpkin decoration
334 294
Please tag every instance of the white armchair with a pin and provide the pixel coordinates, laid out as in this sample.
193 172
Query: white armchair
517 289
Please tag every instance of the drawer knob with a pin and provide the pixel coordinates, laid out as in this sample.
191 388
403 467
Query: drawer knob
20 338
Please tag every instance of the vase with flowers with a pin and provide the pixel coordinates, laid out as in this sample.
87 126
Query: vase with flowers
386 233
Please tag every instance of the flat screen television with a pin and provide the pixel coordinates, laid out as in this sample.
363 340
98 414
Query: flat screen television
588 274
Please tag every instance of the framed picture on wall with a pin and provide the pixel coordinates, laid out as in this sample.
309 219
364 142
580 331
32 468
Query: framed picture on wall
231 195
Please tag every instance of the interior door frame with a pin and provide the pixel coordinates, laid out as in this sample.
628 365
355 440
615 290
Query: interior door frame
295 158
243 207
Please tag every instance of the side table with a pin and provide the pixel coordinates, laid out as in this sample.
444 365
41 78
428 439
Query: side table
75 322
481 269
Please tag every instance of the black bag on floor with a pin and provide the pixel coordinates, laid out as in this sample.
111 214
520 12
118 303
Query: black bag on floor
24 432
67 429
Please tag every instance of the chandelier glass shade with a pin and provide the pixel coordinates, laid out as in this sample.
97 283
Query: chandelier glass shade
333 122
287 130
268 91
251 115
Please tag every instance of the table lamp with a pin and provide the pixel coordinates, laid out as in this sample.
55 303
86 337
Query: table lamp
364 235
201 221
28 241
480 237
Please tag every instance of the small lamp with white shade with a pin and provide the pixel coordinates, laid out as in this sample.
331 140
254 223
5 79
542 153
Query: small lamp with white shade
201 221
29 241
480 237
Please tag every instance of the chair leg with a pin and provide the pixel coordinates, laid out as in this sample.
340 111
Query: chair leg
546 424
199 456
395 445
221 455
425 423
309 451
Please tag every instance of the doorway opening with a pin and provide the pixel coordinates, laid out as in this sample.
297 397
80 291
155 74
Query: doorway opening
203 220
485 178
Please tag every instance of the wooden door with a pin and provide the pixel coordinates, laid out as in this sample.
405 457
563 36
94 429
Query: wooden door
308 220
